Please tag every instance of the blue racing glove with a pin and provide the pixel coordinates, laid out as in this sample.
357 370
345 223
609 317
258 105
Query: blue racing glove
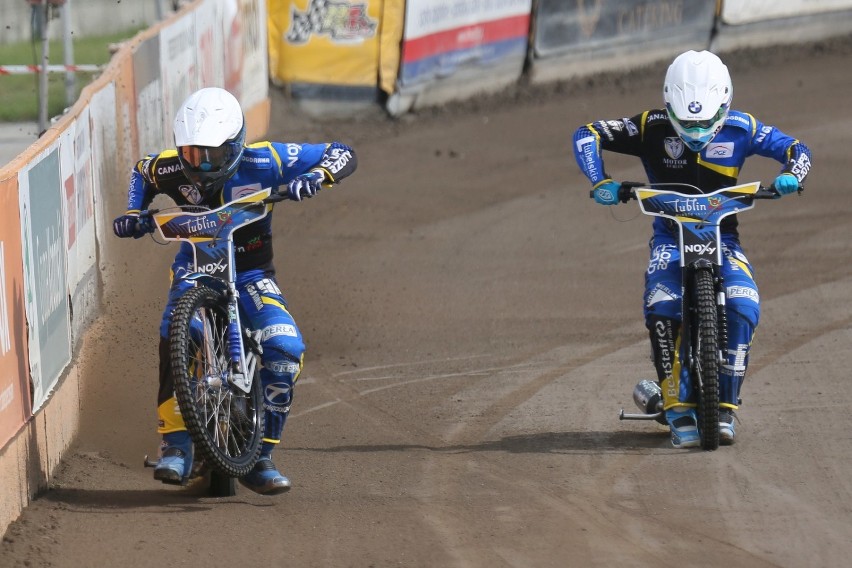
786 184
129 225
606 192
305 185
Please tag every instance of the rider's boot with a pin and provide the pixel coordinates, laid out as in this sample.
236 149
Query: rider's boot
684 426
265 478
726 426
175 458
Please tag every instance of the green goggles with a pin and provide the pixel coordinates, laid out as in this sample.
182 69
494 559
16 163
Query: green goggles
697 124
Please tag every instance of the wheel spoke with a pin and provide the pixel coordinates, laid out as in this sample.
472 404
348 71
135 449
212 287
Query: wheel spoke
225 423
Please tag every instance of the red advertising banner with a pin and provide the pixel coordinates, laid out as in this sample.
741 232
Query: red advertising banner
441 40
14 368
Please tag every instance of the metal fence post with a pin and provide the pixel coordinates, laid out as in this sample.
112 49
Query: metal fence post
70 76
40 13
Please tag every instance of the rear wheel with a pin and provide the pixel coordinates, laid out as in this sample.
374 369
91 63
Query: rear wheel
225 423
707 359
222 485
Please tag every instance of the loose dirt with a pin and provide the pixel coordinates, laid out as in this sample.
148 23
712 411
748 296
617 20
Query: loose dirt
473 324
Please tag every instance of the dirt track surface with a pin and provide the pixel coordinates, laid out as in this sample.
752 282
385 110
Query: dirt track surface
473 324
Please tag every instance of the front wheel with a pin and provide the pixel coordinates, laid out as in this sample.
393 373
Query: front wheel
706 371
225 423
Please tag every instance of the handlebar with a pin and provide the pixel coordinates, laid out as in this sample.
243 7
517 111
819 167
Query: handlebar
147 214
147 223
626 193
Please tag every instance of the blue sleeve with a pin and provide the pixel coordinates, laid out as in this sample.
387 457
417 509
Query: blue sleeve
587 152
338 161
296 159
770 142
139 194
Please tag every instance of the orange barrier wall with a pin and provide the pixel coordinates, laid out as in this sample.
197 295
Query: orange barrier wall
14 386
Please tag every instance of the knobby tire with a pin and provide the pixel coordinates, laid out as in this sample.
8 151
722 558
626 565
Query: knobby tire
225 423
707 315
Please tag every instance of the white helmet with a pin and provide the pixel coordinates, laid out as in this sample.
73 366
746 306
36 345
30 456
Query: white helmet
698 94
209 135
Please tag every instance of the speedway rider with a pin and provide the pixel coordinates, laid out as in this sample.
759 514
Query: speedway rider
696 139
210 166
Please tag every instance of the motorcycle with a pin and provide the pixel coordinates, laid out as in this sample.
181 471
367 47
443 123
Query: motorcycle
704 327
215 360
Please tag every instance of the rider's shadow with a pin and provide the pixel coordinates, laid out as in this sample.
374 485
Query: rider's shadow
621 442
187 499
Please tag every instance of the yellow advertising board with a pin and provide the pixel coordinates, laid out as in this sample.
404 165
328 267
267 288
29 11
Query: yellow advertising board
326 43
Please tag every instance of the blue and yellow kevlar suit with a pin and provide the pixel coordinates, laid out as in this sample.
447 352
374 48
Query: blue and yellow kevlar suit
666 159
263 165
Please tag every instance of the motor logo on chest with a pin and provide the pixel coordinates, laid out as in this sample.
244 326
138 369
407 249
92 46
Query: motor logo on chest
674 147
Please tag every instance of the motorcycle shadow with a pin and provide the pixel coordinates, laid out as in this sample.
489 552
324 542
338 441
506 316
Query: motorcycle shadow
620 442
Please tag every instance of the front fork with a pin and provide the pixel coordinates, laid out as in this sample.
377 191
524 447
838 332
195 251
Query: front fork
721 322
721 318
647 394
242 366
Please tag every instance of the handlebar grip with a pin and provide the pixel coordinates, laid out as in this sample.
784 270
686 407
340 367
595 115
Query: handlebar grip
772 192
275 197
625 191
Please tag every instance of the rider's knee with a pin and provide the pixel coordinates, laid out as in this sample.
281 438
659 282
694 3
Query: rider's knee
743 303
662 300
283 340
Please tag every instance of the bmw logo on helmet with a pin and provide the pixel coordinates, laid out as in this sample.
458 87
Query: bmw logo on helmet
694 107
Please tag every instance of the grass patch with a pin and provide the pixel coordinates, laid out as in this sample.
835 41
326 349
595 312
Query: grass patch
20 93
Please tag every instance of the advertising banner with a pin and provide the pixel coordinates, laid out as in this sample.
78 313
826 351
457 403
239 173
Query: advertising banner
14 369
324 42
43 235
246 53
578 26
150 119
390 43
75 151
179 72
209 43
735 12
441 36
121 138
109 152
